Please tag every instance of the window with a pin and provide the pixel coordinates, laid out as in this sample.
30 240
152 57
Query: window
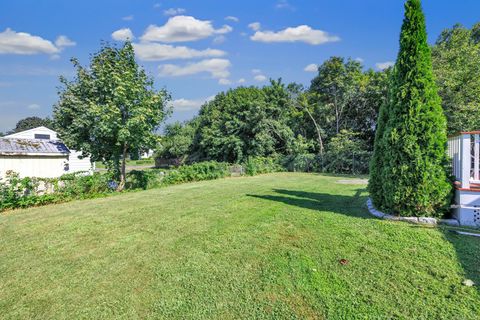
42 136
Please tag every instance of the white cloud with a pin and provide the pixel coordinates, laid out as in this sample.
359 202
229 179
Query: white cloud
24 43
241 80
260 78
256 71
224 82
359 59
301 33
64 41
232 18
255 26
384 65
33 106
157 5
127 18
157 52
174 11
189 104
224 29
218 68
283 4
182 28
123 34
311 68
219 39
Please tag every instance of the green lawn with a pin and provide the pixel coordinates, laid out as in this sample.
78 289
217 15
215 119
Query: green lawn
264 247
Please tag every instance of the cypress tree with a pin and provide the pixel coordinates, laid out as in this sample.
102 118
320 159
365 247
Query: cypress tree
409 170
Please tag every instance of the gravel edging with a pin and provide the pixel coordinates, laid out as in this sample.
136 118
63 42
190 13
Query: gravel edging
415 220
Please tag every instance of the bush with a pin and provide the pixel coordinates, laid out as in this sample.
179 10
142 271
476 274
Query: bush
346 153
307 162
16 192
259 165
208 170
79 186
144 179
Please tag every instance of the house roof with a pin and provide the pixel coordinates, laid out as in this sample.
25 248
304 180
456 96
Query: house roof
12 146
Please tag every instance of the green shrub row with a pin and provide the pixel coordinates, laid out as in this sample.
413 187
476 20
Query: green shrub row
208 170
16 192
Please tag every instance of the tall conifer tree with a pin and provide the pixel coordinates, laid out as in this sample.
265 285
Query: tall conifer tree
410 156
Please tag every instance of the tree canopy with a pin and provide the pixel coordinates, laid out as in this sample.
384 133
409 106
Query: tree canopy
32 122
456 61
244 122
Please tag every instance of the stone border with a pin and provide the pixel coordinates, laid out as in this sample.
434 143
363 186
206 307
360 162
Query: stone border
420 220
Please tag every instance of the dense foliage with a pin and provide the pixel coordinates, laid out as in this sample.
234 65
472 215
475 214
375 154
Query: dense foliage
16 192
177 141
456 64
244 122
110 108
410 165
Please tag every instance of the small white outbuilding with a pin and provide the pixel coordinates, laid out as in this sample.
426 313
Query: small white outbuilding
38 152
33 158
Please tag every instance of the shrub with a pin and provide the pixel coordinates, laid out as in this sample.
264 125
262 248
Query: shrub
346 153
306 162
78 185
207 170
16 192
144 179
259 165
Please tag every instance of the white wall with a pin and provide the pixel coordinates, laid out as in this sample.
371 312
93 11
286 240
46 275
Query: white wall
34 166
75 163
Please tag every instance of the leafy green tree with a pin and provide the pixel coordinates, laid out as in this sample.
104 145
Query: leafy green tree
32 122
110 108
177 141
456 64
346 153
344 97
245 122
413 177
335 87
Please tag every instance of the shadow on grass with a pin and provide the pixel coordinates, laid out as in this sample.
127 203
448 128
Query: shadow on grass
467 247
468 254
348 205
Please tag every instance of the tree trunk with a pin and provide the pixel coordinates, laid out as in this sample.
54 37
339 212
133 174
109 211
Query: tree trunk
317 129
121 185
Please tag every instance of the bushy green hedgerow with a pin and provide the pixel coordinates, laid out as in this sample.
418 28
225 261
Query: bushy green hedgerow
408 169
208 170
259 165
16 192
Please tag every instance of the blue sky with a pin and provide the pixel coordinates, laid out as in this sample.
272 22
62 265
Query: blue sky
221 44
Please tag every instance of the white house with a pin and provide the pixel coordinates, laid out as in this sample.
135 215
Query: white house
464 152
29 161
33 158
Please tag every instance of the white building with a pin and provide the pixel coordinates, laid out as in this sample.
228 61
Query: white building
39 153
